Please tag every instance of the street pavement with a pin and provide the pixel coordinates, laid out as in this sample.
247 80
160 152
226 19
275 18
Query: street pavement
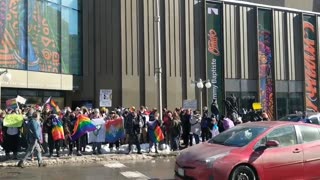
160 168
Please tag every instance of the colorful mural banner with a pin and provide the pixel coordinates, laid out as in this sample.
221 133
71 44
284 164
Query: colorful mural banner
214 46
266 62
13 48
29 35
310 63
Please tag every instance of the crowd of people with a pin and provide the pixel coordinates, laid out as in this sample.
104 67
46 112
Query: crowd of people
181 128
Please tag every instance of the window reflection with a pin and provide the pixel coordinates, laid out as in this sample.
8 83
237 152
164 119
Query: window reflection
71 58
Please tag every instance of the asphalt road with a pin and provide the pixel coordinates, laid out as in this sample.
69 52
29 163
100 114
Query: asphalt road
151 169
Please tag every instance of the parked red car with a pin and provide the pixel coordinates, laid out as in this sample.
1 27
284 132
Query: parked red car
252 151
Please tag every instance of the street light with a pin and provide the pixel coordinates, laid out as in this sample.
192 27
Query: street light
6 77
201 84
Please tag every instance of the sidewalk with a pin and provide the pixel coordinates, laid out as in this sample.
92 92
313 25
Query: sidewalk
88 158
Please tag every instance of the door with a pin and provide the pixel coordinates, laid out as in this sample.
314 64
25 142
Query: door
284 162
311 147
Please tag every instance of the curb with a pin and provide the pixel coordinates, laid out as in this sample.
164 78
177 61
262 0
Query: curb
88 159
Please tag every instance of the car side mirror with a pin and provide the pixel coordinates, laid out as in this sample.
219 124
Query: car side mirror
272 143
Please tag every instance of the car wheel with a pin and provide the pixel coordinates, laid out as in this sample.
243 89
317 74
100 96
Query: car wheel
243 173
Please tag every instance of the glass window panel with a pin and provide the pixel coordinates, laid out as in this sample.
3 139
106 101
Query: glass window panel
71 49
247 99
44 36
13 35
282 104
296 102
55 1
71 3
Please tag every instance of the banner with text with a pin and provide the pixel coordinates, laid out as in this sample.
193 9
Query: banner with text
214 46
310 63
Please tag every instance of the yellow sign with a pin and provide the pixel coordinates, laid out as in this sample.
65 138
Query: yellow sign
13 120
256 106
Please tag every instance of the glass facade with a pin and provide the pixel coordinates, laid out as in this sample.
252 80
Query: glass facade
41 35
34 97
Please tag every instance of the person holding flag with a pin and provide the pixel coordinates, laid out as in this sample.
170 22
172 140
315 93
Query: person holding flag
154 132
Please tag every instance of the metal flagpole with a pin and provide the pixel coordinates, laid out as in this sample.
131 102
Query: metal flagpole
158 53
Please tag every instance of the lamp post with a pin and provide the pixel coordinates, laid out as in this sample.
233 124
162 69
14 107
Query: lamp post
201 84
6 77
158 54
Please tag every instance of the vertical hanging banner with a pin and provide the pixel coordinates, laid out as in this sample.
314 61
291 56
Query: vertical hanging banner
265 63
214 45
310 63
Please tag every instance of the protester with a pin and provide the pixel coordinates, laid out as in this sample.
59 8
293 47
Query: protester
152 124
175 132
135 123
34 138
11 139
195 130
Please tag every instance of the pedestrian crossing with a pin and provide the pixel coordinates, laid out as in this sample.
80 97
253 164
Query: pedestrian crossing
126 173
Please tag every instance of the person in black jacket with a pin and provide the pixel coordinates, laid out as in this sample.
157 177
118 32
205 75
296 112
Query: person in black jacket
215 109
134 126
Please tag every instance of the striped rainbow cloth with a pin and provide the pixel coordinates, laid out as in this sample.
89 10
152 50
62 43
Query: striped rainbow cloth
82 126
155 132
57 130
54 106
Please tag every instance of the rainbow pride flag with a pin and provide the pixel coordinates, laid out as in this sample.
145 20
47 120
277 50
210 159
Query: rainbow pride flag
114 130
57 130
54 106
155 132
12 103
82 126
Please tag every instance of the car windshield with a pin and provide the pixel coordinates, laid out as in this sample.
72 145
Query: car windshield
238 136
292 118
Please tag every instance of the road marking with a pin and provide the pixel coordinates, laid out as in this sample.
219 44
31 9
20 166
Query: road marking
134 174
114 165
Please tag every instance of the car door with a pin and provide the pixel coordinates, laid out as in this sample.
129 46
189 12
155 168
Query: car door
284 162
310 137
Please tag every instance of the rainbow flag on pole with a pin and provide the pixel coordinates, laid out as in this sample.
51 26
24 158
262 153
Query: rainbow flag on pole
54 106
57 130
12 103
114 130
82 126
155 132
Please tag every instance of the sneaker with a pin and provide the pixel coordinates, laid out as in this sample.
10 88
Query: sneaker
94 152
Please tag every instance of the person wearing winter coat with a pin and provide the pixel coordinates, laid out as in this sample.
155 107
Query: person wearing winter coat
33 138
186 126
134 126
175 131
152 124
205 125
195 130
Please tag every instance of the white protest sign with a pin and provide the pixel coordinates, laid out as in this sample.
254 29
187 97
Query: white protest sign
105 98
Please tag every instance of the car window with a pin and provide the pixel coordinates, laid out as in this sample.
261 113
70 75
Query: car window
237 136
309 134
286 136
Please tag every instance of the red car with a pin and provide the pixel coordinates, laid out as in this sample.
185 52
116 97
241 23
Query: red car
252 151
